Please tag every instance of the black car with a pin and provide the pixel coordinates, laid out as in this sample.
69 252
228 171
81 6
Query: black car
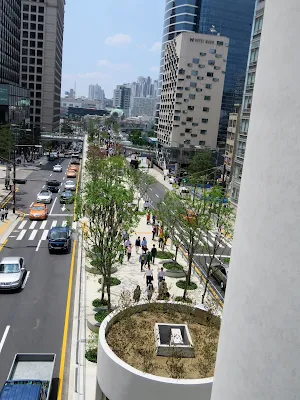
66 197
59 239
53 186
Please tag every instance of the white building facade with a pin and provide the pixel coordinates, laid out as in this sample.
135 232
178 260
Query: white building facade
142 106
192 89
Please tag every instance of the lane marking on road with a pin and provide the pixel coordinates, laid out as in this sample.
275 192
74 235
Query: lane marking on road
26 279
157 195
66 326
4 337
22 234
61 184
33 234
32 202
12 236
51 174
64 224
33 224
22 224
64 178
44 235
61 215
43 224
150 189
54 223
53 206
76 192
3 244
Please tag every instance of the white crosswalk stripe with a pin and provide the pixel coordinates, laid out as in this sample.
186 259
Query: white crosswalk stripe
64 224
26 231
33 224
54 223
33 234
22 234
44 235
43 224
22 224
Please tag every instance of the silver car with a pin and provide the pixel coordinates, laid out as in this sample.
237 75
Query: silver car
12 272
57 168
70 185
45 196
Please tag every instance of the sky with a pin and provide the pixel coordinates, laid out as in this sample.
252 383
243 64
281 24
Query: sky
110 43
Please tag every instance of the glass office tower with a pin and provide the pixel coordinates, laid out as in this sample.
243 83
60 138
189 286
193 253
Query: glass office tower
231 18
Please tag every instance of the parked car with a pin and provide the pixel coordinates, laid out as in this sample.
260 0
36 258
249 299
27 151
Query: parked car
57 168
38 211
66 197
59 239
73 167
71 173
53 186
70 185
45 196
184 191
12 272
172 180
220 274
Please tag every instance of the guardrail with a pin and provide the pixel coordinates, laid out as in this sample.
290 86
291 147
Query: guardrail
61 137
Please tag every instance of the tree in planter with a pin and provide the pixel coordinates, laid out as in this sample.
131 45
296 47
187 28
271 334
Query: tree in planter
104 201
139 182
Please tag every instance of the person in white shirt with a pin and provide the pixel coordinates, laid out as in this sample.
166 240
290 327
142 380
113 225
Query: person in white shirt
149 275
161 275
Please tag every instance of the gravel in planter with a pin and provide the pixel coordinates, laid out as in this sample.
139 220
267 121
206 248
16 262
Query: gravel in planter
113 281
182 300
173 266
164 255
100 315
91 355
191 286
98 303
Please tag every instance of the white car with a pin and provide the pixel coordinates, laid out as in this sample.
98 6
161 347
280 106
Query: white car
183 191
70 185
172 179
12 272
57 168
45 196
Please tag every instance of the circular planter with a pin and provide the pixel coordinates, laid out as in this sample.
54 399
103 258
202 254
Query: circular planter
95 271
179 273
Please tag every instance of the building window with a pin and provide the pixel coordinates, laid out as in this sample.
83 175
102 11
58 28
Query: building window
254 55
191 108
176 118
201 66
220 43
207 98
204 120
218 55
194 73
212 51
32 26
25 17
182 134
183 123
189 119
205 109
188 77
25 25
217 68
24 60
258 24
210 74
32 35
192 96
25 7
33 17
187 88
198 90
211 62
200 78
189 65
196 60
245 125
216 79
188 130
32 43
40 18
195 124
33 8
181 71
247 103
251 78
202 54
201 142
193 84
208 86
25 34
41 10
178 95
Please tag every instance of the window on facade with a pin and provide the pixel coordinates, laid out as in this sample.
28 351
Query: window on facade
218 55
32 26
189 119
25 52
40 36
244 125
200 78
192 96
194 73
40 18
220 43
196 60
178 95
24 60
258 24
193 84
187 88
181 71
216 79
208 86
201 142
205 109
191 108
24 77
40 27
32 43
182 134
201 66
24 68
33 8
188 77
188 130
25 17
254 55
211 62
183 123
202 54
195 124
25 25
176 118
207 98
247 102
210 74
41 10
25 7
212 51
33 17
204 120
32 35
251 78
190 65
217 68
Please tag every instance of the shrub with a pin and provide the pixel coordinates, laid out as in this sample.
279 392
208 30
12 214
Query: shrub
173 266
186 300
99 303
165 255
100 315
191 286
91 354
113 281
226 260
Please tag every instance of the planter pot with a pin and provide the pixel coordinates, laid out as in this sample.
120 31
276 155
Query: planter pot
92 324
102 308
94 271
175 274
168 260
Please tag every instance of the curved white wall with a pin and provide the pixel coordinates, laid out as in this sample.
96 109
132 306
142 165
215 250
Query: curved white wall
120 381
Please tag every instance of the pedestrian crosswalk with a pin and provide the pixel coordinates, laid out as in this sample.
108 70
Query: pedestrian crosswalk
35 230
212 238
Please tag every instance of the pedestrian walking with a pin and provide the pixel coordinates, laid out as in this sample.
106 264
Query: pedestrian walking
166 237
129 249
137 244
137 294
2 214
146 205
153 232
160 238
148 217
126 244
149 291
153 253
149 275
153 219
148 258
163 290
125 235
160 275
144 244
142 260
6 211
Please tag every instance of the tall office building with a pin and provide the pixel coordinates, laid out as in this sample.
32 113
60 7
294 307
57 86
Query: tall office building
121 99
14 101
192 88
96 93
140 106
232 19
42 28
247 101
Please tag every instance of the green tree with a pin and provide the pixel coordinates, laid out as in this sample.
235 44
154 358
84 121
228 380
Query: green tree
200 165
140 182
66 127
6 142
92 131
108 204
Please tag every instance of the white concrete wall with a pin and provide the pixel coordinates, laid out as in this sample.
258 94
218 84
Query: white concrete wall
259 350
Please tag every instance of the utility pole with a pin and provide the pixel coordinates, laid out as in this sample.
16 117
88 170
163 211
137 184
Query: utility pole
14 182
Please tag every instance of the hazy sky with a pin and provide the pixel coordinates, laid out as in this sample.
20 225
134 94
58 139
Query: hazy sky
110 43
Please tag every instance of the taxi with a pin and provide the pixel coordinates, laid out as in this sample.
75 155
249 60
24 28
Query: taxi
38 211
73 167
71 173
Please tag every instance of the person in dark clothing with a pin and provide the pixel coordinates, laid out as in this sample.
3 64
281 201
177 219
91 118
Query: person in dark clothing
153 219
6 211
153 253
142 260
153 231
148 258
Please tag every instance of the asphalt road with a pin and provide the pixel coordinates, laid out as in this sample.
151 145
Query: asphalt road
35 315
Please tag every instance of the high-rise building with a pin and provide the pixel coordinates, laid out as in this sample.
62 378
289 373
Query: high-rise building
141 106
192 87
42 29
121 98
14 100
96 93
247 102
232 19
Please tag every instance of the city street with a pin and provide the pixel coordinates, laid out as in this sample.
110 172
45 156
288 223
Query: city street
32 320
